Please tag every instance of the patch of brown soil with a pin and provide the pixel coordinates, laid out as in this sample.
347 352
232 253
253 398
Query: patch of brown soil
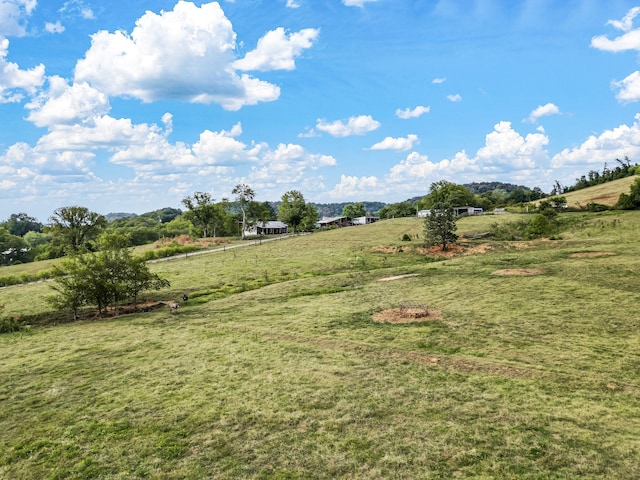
406 315
590 254
509 272
397 277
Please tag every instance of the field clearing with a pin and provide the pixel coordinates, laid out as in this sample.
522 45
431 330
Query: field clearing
275 367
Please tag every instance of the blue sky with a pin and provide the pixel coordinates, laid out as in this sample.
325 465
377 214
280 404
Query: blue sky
133 106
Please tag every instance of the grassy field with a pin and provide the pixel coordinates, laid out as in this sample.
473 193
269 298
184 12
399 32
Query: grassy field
274 369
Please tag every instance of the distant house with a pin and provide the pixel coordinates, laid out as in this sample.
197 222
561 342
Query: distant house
326 222
456 211
364 220
267 228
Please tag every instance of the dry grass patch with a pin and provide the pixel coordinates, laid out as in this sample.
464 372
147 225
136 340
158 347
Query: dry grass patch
510 272
397 277
590 254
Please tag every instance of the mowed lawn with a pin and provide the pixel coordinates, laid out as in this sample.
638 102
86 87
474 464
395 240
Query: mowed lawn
274 369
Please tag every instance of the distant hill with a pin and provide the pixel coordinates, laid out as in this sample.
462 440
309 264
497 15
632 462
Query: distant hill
118 215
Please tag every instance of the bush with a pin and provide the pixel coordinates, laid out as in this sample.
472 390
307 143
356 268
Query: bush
9 325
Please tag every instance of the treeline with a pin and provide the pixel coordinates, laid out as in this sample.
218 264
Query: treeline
486 195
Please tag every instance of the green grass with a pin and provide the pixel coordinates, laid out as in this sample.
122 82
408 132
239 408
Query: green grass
274 368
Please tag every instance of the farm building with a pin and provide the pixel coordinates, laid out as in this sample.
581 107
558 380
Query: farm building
467 210
267 228
456 210
327 222
365 220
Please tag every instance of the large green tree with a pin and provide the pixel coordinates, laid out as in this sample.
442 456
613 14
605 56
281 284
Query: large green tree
292 209
447 192
75 228
12 248
20 224
203 212
103 279
440 226
354 210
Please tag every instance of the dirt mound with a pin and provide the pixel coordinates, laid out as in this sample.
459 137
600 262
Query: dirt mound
406 315
510 272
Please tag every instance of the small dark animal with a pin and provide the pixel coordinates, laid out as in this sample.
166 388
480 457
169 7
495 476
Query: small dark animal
185 297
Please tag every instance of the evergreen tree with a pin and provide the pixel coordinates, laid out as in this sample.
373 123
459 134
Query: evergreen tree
440 226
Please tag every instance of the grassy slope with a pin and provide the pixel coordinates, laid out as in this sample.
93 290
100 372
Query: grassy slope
605 194
523 377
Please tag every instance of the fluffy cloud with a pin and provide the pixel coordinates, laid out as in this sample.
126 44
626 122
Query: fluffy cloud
356 3
438 80
54 27
185 54
543 111
13 14
506 156
412 113
13 80
351 187
454 97
77 7
390 143
619 142
628 88
292 4
64 104
507 149
359 125
277 50
629 40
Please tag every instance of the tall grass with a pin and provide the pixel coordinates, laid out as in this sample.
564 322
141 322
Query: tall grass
289 377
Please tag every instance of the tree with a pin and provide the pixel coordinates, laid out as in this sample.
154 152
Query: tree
75 228
20 224
446 192
202 212
103 279
631 200
244 195
440 226
12 248
397 210
354 210
292 209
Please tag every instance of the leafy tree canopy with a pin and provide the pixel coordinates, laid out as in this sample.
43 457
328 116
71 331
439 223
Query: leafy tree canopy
75 228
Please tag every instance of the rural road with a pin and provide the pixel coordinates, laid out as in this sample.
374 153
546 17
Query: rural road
225 248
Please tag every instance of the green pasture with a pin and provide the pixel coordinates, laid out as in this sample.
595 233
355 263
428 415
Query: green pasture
274 368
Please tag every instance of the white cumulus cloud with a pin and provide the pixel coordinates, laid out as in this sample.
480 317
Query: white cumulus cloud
629 40
390 143
186 54
359 125
54 27
543 111
454 97
412 112
628 88
356 3
621 141
13 80
277 50
13 15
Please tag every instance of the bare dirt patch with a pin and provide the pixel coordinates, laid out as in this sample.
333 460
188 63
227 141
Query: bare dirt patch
406 315
590 254
397 277
453 250
510 272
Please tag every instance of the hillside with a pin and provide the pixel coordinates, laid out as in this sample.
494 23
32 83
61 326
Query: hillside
345 354
605 193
